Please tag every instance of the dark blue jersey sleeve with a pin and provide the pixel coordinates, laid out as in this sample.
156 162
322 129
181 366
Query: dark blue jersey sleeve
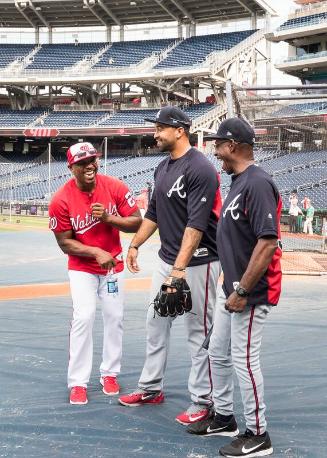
202 187
151 212
261 207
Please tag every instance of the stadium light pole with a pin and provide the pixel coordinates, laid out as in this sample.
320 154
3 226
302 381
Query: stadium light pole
49 171
105 154
229 99
11 190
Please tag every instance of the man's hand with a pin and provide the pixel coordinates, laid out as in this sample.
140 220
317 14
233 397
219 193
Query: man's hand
98 211
174 273
235 303
104 259
131 260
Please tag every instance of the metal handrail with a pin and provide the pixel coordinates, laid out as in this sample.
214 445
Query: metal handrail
313 55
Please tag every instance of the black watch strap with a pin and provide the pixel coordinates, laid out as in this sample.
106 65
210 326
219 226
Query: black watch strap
242 292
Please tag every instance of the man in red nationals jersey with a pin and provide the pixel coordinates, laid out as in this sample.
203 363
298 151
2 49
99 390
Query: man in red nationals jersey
248 234
86 215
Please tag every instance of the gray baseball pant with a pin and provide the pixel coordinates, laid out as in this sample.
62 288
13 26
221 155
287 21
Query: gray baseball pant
236 342
203 281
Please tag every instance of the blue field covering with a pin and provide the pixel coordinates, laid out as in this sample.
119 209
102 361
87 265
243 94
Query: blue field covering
37 421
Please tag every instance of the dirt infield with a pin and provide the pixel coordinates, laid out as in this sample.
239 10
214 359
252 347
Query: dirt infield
305 262
39 290
59 289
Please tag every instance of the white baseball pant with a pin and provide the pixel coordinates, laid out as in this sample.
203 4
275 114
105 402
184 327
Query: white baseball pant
236 342
85 290
203 282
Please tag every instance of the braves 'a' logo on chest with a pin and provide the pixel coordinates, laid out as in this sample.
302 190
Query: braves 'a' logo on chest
232 207
178 187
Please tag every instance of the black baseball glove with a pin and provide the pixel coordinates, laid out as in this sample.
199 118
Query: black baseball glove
174 303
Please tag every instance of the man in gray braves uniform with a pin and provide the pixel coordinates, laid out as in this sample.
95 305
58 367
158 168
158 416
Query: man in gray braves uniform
185 206
248 236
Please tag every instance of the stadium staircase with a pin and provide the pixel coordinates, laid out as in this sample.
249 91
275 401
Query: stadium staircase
102 119
84 65
156 59
21 62
206 120
39 121
217 60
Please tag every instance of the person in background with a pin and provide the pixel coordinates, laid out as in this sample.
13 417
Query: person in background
307 227
294 212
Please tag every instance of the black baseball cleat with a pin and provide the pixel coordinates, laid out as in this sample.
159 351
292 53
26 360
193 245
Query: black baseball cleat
213 426
248 445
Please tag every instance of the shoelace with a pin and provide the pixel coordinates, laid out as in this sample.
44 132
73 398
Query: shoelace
78 389
110 378
240 438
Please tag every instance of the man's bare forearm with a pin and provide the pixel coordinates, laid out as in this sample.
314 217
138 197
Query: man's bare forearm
125 224
191 239
76 248
144 232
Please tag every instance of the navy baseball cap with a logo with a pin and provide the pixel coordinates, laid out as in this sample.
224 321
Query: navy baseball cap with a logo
171 116
236 129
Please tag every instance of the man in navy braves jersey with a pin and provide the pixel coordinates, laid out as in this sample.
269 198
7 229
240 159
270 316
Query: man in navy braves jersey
184 207
247 239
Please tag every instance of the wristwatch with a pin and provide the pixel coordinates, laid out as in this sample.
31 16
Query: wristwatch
242 292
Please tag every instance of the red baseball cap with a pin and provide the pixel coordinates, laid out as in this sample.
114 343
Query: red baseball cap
81 151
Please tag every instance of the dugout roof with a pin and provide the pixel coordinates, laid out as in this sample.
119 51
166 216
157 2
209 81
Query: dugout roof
79 13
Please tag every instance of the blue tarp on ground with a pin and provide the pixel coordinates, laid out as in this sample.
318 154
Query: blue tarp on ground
36 419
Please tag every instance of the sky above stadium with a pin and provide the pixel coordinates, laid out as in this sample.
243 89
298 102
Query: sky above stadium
282 7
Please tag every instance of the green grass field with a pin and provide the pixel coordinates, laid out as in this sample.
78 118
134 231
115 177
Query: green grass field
22 221
30 222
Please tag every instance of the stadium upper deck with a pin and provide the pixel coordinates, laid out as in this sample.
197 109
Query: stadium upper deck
306 33
188 52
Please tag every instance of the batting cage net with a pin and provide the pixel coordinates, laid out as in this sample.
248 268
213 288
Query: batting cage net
291 145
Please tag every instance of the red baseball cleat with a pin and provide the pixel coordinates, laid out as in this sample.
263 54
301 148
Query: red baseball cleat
196 412
110 385
140 397
78 395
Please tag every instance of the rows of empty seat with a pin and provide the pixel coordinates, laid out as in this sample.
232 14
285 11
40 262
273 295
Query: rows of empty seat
289 161
304 171
33 183
73 118
136 117
19 118
194 50
9 53
309 179
304 21
57 56
301 109
123 54
190 51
